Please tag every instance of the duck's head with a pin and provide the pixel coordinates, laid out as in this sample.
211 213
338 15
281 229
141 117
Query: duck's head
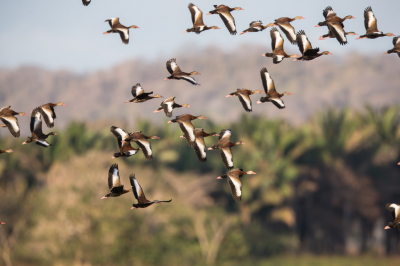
201 117
215 28
134 27
194 73
326 52
299 17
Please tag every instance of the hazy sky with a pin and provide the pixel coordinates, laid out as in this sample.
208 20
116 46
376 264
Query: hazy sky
64 34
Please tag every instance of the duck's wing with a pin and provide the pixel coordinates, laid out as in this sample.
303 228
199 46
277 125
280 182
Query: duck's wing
188 131
370 21
277 102
396 40
112 21
188 78
289 31
43 143
137 90
128 150
168 107
227 157
172 66
225 134
236 187
229 21
137 190
256 25
328 12
337 30
276 39
120 134
36 122
86 2
12 124
124 33
246 101
200 149
267 81
113 177
303 42
48 115
394 209
197 15
145 145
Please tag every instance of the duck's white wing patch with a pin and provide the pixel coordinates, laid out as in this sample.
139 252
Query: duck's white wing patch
278 102
267 81
289 32
396 209
48 115
124 33
227 157
246 102
190 79
188 130
200 149
43 143
371 19
229 22
12 125
225 133
146 148
236 188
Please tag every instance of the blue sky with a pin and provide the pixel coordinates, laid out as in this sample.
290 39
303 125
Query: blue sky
64 34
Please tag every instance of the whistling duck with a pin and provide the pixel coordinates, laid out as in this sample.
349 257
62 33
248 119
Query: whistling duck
308 53
224 145
86 2
394 210
48 114
139 96
6 151
168 105
125 148
36 129
331 35
396 48
142 141
234 181
139 195
225 13
117 27
330 16
256 26
287 28
371 25
335 24
199 146
177 73
197 19
278 54
271 94
114 183
7 117
186 126
244 97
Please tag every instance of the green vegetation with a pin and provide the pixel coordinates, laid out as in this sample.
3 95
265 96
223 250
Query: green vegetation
320 188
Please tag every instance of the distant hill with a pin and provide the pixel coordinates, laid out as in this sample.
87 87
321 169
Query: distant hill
327 81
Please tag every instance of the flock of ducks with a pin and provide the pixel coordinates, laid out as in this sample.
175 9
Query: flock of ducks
195 136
